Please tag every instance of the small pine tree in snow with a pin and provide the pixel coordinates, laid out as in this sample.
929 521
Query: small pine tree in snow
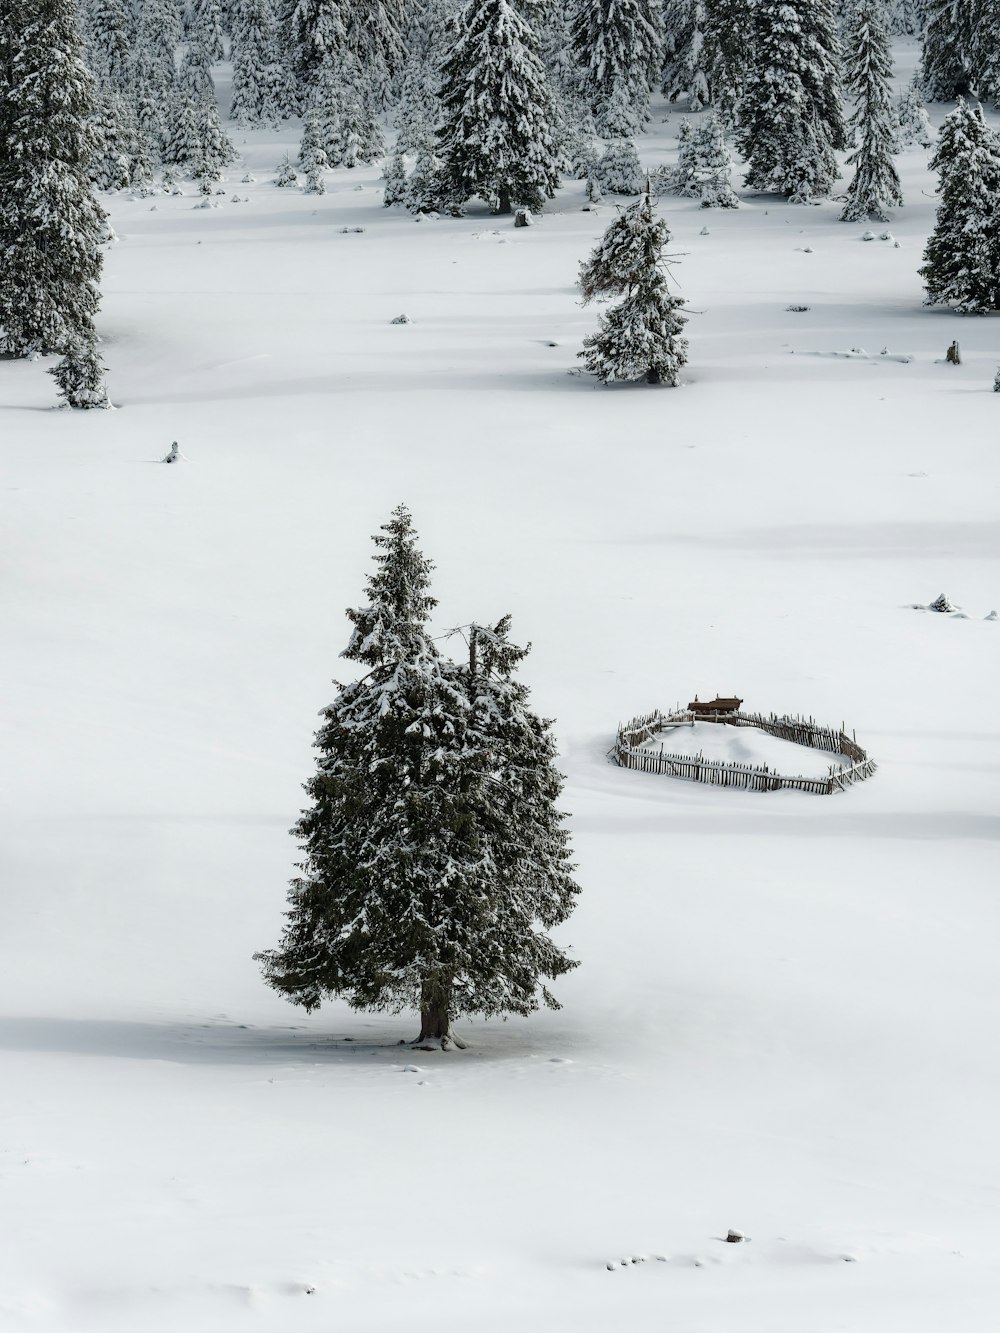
962 258
434 859
312 154
80 374
641 338
875 189
618 261
396 189
704 165
914 122
580 152
285 175
618 44
944 70
790 119
496 139
50 222
260 82
618 171
423 187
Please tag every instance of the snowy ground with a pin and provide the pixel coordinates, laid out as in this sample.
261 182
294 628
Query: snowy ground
745 745
786 1016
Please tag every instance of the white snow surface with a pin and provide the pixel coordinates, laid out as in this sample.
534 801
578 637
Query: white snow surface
745 745
785 1018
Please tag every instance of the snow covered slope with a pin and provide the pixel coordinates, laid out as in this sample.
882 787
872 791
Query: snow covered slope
785 1018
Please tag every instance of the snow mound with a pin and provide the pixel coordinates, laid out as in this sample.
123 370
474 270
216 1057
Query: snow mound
746 745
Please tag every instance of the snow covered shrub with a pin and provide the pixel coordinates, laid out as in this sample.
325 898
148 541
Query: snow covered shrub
285 173
704 165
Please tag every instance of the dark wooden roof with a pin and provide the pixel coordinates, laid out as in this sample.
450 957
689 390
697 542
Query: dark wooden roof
714 705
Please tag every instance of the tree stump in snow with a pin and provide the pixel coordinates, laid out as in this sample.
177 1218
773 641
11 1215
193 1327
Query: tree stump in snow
953 355
523 218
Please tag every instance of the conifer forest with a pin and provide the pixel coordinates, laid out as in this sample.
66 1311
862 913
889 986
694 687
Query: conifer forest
499 736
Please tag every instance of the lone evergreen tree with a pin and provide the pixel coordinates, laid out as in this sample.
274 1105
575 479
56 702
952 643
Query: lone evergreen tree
497 140
432 848
875 189
962 258
640 338
51 224
790 120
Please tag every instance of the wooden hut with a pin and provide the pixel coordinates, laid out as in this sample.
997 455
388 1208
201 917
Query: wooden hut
712 707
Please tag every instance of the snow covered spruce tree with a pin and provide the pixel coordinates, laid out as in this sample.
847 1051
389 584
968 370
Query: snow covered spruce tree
434 858
962 258
51 225
496 137
789 120
984 49
618 170
617 261
80 373
914 122
944 68
260 82
875 189
618 44
109 31
640 338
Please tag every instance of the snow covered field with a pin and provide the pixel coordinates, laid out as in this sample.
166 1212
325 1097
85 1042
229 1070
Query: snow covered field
785 1018
745 745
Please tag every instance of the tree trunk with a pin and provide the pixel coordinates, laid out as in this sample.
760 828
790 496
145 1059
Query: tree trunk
652 376
435 1014
504 202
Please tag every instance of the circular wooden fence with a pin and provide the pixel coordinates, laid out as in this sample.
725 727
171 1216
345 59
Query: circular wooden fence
628 752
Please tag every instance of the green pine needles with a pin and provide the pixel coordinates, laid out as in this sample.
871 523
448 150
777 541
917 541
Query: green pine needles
434 857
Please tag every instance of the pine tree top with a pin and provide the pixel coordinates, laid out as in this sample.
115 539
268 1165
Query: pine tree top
392 626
